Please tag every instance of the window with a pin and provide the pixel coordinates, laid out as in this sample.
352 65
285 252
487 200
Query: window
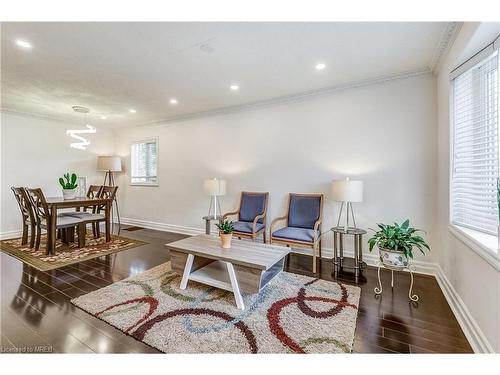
475 161
144 162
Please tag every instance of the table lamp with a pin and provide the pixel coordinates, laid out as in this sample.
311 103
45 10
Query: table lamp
347 191
215 188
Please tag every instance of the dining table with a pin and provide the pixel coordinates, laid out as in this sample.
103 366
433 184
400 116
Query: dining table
56 203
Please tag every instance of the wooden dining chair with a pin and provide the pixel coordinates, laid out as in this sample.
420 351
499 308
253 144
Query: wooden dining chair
42 216
94 191
27 214
97 217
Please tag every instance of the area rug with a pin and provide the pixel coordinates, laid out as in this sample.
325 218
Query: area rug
66 254
293 314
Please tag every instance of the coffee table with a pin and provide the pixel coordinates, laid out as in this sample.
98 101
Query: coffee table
246 267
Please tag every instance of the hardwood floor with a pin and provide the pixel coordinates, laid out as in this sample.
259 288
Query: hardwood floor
36 314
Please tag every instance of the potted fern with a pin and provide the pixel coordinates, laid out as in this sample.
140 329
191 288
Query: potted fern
226 232
69 185
396 243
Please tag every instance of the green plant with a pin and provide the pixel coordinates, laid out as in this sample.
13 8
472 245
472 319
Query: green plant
225 226
398 237
70 181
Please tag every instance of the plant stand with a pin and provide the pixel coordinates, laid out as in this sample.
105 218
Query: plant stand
410 268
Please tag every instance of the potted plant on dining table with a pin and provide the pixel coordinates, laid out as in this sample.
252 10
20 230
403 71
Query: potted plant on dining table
226 232
69 185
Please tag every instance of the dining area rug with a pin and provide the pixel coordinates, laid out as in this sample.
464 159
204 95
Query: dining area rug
292 314
66 254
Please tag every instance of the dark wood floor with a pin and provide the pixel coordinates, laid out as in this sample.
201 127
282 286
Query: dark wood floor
36 313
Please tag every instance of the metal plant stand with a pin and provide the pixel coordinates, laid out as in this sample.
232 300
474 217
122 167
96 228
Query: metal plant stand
410 268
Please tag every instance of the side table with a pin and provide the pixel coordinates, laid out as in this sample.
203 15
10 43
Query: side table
338 247
208 220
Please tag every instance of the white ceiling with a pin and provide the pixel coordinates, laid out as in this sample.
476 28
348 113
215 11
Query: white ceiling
112 67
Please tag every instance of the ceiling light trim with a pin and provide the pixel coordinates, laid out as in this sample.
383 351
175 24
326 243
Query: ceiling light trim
296 98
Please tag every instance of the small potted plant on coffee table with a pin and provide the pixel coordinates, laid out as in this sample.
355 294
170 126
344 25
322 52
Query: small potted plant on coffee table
226 232
396 243
69 186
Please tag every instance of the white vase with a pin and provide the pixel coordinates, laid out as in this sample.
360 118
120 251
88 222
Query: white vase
393 258
69 194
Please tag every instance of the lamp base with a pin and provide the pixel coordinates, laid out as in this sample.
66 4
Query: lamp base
348 208
109 180
214 209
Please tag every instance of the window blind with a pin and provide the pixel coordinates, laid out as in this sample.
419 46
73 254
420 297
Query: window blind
474 109
144 161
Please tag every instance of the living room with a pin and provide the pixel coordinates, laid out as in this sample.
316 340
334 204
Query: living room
250 187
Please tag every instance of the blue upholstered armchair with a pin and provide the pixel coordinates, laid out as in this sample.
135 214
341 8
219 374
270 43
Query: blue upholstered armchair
302 223
251 215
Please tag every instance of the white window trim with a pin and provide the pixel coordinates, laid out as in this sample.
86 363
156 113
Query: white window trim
147 184
481 243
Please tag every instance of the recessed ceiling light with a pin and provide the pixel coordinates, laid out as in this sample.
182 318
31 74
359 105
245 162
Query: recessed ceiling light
174 101
131 110
103 117
234 87
320 66
23 44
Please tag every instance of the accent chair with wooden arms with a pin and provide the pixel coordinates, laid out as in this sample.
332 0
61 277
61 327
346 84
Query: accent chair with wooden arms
302 223
251 215
27 214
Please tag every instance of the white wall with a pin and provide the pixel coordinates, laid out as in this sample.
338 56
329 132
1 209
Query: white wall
384 134
475 281
35 152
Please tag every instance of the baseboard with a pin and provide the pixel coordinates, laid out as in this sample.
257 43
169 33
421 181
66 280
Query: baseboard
372 258
11 234
163 226
474 334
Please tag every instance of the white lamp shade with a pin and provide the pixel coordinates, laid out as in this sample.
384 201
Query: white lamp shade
109 163
215 187
347 190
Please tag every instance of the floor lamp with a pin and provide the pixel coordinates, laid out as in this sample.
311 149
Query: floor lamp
110 164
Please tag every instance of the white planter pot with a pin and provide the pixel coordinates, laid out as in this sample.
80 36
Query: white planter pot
69 194
393 258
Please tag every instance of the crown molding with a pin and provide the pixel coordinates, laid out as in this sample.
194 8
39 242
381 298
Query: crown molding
14 112
446 40
287 99
295 98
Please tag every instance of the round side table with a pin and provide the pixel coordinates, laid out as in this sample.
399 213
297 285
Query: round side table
338 247
208 220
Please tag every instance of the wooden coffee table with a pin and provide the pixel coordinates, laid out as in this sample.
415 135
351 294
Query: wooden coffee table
246 267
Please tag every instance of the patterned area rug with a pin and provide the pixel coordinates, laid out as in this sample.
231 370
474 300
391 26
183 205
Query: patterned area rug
66 254
293 314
